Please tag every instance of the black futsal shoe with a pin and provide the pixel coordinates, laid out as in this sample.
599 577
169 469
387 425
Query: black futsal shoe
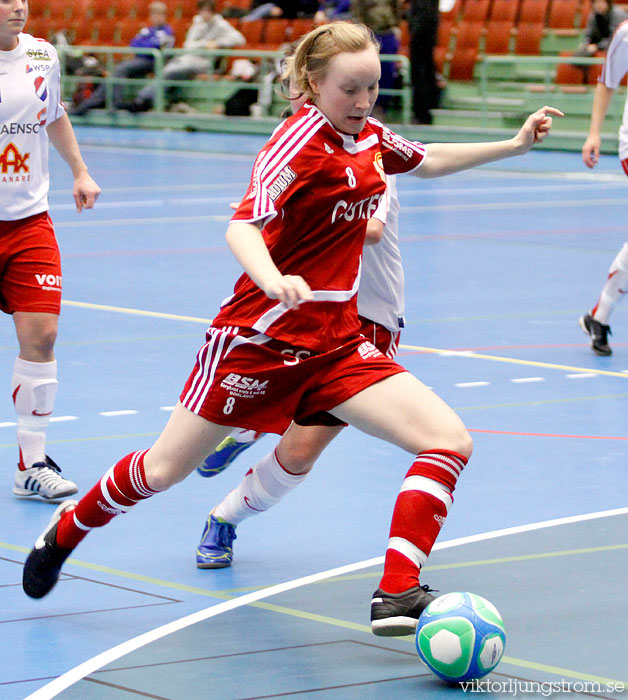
43 565
598 333
397 614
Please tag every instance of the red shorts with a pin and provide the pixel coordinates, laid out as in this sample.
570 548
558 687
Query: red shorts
264 384
384 340
30 266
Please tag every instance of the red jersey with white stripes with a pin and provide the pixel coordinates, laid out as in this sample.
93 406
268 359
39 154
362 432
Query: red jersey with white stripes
314 189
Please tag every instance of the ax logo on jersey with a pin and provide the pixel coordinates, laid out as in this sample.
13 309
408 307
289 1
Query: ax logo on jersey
12 159
364 209
397 144
281 182
244 387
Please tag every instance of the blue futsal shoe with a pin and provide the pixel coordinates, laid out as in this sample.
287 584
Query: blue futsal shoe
215 550
227 452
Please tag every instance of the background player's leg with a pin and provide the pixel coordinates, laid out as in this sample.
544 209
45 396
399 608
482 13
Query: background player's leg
33 388
264 485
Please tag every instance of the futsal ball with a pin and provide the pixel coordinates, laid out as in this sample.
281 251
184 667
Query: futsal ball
460 637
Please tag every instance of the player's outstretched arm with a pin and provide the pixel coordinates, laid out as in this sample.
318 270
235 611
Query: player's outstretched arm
247 244
591 147
446 158
85 190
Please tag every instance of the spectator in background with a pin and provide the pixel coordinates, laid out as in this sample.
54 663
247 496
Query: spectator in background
209 30
423 20
331 10
383 17
158 35
286 9
601 25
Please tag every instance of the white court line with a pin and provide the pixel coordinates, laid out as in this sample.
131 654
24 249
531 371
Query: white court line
525 380
52 689
121 412
467 385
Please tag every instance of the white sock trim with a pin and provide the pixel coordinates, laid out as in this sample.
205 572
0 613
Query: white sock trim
423 483
413 553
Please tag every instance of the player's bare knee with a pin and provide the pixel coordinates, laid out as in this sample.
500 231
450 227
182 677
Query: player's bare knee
297 458
161 474
465 444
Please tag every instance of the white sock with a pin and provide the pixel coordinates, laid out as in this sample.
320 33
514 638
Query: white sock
263 486
615 288
33 386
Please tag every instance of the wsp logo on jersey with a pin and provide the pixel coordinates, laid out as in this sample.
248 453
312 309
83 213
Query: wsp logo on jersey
29 68
41 89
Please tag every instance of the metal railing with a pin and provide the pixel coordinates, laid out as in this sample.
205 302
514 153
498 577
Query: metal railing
524 69
209 90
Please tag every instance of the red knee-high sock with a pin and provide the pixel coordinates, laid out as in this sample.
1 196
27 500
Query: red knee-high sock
119 490
419 514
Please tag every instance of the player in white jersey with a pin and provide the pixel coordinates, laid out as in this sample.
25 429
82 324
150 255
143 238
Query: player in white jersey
596 323
31 113
287 342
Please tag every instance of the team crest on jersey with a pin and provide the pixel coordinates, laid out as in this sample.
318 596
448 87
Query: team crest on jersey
329 149
41 90
379 165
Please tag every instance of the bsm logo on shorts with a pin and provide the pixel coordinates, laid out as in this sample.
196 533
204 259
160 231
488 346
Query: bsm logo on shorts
246 387
49 283
368 350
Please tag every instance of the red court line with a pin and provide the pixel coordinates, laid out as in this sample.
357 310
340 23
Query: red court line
580 437
488 348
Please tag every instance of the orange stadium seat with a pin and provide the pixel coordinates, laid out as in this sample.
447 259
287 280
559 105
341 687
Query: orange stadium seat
504 10
475 10
532 11
528 41
498 35
466 50
253 31
562 14
275 31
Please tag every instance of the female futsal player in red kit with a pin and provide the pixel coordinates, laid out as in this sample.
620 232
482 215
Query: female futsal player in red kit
298 233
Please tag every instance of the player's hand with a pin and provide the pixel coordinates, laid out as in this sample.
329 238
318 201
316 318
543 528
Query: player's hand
591 150
536 127
85 192
291 289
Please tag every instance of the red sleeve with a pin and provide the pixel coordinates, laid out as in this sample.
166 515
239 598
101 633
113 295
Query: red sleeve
398 154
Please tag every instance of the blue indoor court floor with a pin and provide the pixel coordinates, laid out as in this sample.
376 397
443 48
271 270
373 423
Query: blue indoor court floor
500 263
